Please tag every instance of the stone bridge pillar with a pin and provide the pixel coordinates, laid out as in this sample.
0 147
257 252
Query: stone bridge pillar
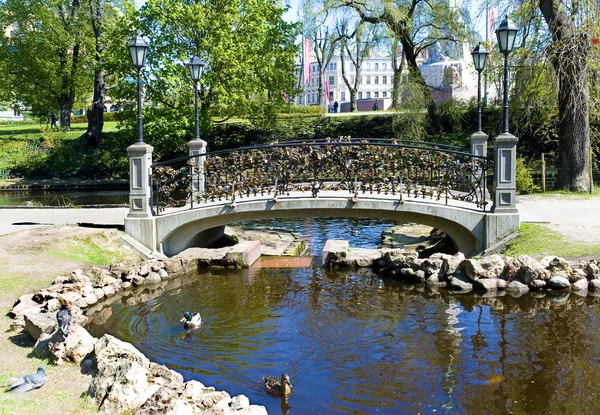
140 189
505 173
197 146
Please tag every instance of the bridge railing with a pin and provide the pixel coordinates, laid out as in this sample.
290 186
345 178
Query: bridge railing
355 166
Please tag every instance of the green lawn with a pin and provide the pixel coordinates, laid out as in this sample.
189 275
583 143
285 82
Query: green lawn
33 131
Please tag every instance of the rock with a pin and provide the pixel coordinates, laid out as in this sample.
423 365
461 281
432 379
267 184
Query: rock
576 275
173 265
592 271
79 344
431 266
487 267
24 304
109 290
517 288
530 270
99 293
580 285
557 265
486 284
37 324
152 278
163 274
52 305
501 284
70 298
126 285
41 349
450 263
125 378
239 402
558 283
91 299
137 281
458 284
594 285
537 284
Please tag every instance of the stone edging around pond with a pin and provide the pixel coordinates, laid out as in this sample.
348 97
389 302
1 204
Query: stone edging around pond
123 378
488 274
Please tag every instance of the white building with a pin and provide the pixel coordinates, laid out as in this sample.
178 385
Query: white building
448 78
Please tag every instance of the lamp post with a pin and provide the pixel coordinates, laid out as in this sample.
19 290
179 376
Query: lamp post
140 159
197 146
196 66
137 49
479 59
505 151
506 34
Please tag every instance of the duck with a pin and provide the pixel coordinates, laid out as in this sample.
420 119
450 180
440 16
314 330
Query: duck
191 320
278 386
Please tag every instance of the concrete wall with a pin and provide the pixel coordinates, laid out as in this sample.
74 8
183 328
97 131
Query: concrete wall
471 230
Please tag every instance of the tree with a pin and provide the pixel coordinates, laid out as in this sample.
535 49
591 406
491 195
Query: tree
247 47
569 57
46 53
417 24
357 45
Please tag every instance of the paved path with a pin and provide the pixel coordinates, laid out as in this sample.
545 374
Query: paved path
16 219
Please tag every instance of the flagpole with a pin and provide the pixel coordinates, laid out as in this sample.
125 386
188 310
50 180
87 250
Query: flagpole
487 43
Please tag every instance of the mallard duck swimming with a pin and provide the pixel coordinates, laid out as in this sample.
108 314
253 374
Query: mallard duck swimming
191 320
278 386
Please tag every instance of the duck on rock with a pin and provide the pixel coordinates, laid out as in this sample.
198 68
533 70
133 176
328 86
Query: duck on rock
191 320
278 386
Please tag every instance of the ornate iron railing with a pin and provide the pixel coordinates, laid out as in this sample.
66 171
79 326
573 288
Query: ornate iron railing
356 166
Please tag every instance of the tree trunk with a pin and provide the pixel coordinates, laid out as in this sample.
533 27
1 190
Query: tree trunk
569 58
352 100
93 135
65 104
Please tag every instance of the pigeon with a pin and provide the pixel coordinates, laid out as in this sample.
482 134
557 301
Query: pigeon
64 320
29 382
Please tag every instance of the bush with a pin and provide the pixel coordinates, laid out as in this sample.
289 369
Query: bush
524 180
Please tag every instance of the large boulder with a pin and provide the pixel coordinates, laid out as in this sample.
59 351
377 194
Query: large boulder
37 323
450 263
530 270
125 378
487 267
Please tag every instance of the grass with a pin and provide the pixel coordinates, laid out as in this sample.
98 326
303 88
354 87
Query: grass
564 194
86 250
541 240
33 131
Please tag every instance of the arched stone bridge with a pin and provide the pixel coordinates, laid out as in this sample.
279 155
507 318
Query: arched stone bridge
426 184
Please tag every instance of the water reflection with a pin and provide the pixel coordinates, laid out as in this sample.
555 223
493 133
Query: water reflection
354 343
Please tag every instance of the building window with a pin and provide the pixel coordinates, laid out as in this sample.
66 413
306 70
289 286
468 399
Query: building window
384 93
384 79
333 66
368 94
368 65
368 79
376 65
331 80
376 94
383 65
343 96
376 79
352 78
360 95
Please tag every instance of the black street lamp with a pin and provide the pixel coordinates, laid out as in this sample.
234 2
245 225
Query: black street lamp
196 66
479 58
137 48
506 34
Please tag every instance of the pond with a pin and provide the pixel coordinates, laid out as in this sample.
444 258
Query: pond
352 342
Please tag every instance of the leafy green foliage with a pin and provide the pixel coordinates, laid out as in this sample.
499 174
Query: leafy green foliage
524 181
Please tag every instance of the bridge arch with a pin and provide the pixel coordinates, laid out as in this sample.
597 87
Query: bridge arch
177 231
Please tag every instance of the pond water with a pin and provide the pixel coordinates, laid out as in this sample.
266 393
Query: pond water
354 343
63 198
